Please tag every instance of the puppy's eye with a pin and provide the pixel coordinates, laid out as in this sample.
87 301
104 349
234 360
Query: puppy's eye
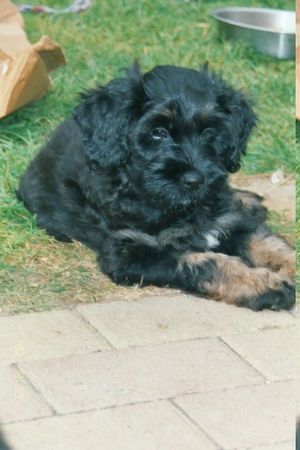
159 133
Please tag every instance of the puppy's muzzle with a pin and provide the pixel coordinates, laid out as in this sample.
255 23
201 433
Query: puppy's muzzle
192 179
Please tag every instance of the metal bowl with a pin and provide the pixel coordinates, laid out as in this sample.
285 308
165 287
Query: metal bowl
270 31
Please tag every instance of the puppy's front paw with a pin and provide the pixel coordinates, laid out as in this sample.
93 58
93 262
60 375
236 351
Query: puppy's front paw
276 300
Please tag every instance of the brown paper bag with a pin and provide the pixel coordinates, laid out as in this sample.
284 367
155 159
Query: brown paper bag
23 67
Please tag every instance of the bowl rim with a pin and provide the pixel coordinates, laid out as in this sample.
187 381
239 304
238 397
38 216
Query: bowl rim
216 15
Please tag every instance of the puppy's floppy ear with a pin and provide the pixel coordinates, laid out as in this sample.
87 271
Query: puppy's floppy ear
104 117
242 120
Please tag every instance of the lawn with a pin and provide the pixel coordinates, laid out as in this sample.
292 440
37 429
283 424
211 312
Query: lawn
37 273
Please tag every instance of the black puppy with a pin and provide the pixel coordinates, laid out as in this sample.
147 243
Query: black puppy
139 174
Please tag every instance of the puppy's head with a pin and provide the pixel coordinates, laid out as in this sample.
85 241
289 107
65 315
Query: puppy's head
177 131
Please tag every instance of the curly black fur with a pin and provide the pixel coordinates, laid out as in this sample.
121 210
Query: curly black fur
139 174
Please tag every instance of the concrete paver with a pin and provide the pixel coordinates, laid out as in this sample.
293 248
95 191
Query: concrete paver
245 417
118 377
154 320
179 373
148 426
275 353
18 400
280 197
29 337
289 445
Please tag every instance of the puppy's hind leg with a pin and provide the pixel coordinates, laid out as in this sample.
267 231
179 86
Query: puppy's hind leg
262 248
268 250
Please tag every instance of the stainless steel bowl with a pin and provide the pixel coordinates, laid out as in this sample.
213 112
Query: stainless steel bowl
270 31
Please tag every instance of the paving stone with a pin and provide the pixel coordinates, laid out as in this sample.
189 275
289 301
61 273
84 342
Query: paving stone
45 335
245 417
18 400
146 426
275 353
168 319
296 310
131 375
280 197
290 445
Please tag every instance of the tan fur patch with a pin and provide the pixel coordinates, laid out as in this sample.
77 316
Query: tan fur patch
274 253
232 279
192 259
169 113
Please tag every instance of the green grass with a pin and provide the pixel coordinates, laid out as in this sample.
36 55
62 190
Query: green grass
97 44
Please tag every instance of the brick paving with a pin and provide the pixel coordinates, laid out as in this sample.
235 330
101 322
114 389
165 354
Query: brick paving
158 373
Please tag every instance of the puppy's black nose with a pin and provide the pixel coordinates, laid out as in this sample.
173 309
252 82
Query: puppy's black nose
192 179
